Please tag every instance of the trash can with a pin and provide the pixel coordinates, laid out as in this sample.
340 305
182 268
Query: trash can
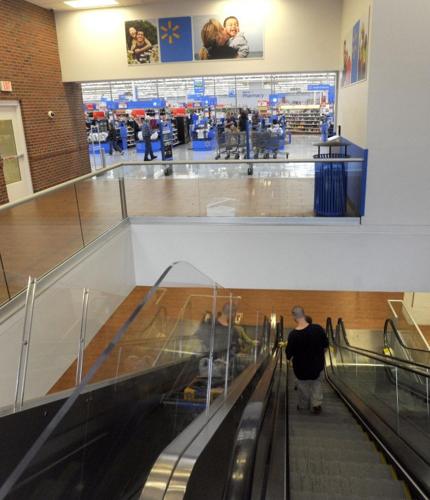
330 190
330 196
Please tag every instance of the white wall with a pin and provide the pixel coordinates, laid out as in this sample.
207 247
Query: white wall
301 35
398 186
419 305
288 257
109 274
353 99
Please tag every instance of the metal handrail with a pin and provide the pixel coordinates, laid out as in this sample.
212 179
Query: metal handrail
399 339
418 329
392 361
116 166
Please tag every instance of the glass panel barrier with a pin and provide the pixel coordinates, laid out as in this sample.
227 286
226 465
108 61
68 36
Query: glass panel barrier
133 399
38 235
409 331
99 204
11 333
387 388
399 349
151 368
4 291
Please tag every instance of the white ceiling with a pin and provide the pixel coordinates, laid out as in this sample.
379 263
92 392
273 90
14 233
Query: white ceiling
60 5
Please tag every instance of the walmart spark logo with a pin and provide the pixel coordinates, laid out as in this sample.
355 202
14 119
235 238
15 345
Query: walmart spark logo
176 39
170 32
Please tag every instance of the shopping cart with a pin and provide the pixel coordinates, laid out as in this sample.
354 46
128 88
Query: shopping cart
229 142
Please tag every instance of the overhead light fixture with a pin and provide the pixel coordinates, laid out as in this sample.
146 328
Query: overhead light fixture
90 4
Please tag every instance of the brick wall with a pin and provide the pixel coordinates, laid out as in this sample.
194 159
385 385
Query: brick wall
57 148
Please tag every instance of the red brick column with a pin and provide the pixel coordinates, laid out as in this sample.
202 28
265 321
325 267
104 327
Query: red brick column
57 148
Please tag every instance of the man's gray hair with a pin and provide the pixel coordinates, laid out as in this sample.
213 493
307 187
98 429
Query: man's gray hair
298 312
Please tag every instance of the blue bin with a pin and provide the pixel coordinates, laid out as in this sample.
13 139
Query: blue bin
140 146
330 189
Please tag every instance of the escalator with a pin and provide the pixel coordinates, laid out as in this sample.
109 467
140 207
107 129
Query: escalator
100 439
371 440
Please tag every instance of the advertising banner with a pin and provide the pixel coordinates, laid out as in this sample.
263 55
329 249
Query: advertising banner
227 38
176 39
199 38
142 41
355 52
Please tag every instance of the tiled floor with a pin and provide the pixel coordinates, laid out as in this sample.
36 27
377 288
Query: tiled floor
300 148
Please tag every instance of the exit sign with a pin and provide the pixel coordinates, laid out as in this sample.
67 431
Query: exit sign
6 86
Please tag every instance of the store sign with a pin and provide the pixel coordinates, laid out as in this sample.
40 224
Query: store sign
318 87
199 87
5 86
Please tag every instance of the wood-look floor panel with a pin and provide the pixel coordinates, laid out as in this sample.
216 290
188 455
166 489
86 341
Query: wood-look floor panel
137 349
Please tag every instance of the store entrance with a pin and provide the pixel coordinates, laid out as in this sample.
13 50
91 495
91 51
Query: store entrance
195 115
13 152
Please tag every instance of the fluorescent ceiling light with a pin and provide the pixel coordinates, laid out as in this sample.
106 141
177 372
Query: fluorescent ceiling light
89 4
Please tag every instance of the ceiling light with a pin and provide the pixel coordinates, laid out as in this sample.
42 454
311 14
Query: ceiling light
90 4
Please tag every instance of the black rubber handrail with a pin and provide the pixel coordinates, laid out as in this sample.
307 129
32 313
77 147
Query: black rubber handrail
392 361
241 469
390 322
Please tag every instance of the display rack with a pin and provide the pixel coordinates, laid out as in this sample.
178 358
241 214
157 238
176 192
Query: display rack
302 119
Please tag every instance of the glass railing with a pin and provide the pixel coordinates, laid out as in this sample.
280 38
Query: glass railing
385 385
44 230
409 331
41 232
144 375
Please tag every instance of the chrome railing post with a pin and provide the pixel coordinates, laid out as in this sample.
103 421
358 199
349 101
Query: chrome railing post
211 350
25 344
397 397
256 337
82 336
227 364
123 198
103 157
427 393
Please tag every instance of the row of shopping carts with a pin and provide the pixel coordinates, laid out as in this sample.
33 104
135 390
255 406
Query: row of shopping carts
264 144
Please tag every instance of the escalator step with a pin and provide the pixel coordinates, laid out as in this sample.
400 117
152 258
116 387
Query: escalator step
367 456
342 468
346 485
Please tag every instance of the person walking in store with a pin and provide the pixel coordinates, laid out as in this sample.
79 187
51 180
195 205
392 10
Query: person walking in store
146 136
306 347
113 140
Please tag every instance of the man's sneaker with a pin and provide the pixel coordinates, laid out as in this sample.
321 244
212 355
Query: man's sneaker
316 410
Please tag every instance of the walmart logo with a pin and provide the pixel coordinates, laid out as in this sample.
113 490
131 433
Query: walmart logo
176 40
170 32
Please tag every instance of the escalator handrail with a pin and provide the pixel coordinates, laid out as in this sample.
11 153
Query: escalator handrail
390 322
392 361
245 446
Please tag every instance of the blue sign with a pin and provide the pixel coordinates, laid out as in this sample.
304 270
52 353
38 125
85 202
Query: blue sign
319 87
204 100
275 99
355 51
176 41
199 87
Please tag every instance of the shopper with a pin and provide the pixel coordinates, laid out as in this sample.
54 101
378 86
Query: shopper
215 42
113 141
146 136
306 347
224 325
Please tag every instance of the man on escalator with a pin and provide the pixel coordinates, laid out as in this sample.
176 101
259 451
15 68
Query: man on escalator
306 347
